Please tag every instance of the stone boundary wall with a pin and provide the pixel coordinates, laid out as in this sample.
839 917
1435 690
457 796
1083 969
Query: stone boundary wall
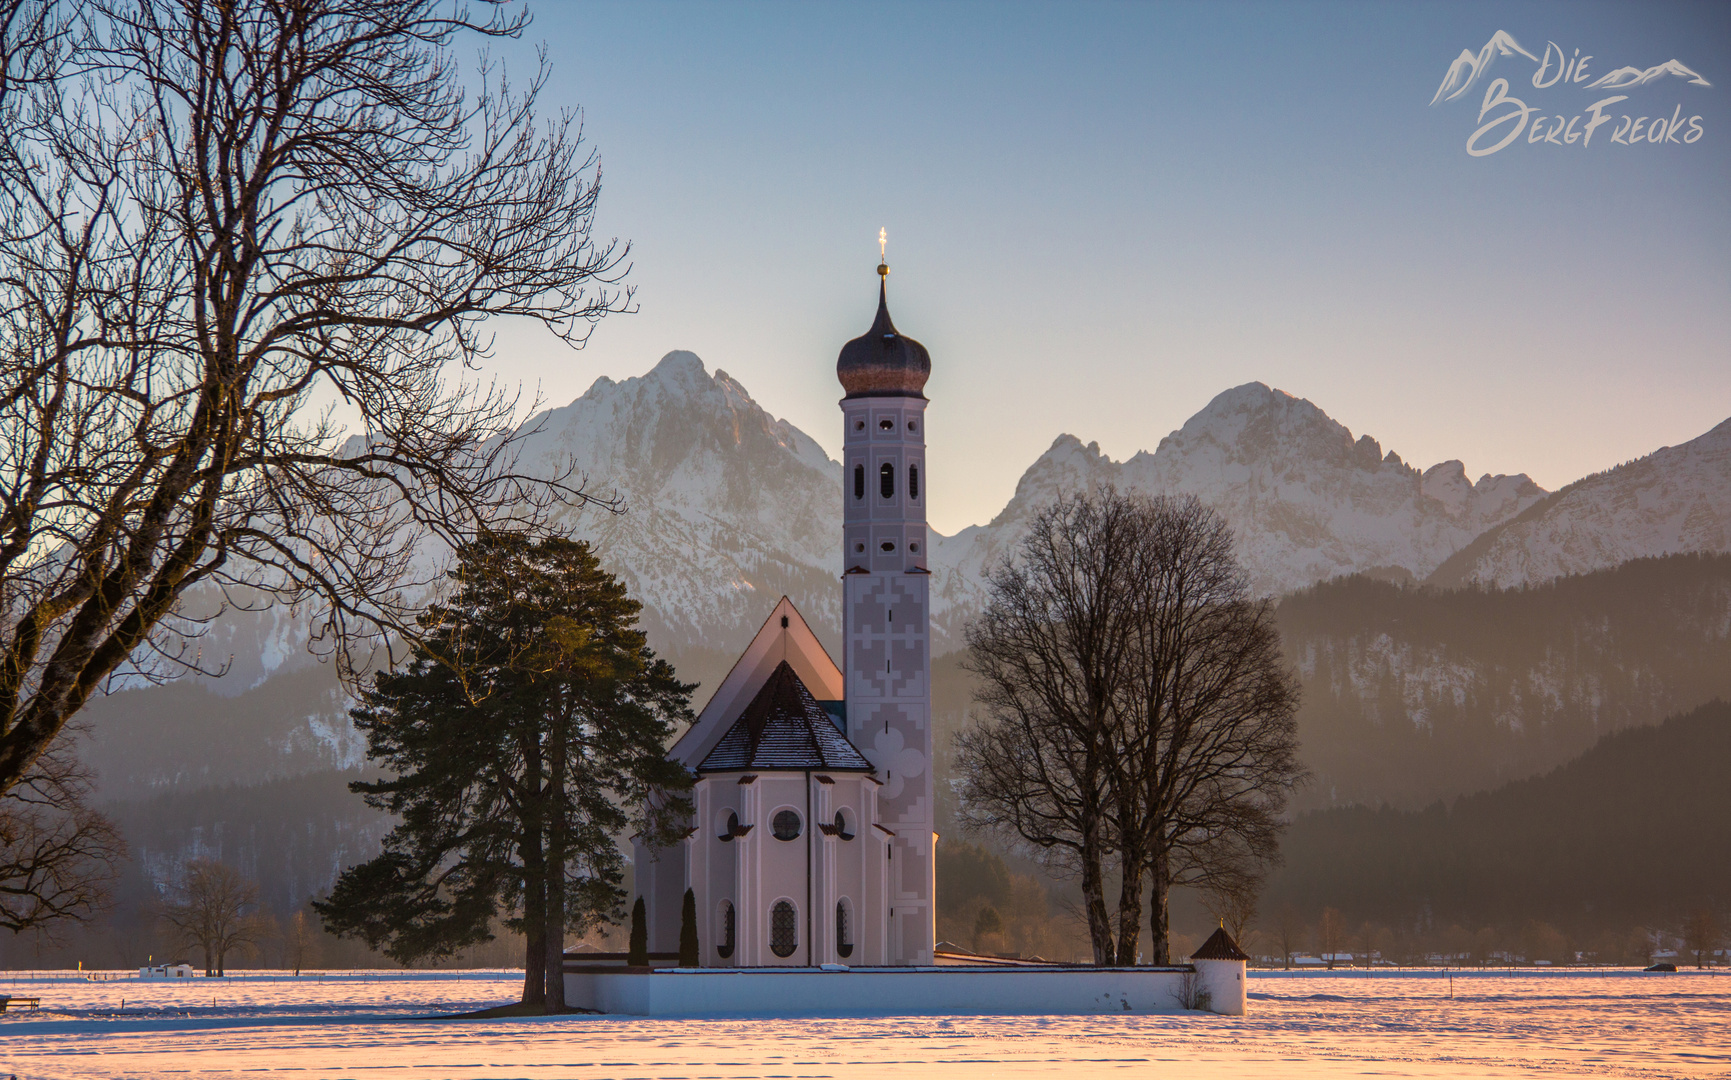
947 990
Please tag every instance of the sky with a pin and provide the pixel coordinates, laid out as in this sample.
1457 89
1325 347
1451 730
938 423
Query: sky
1102 215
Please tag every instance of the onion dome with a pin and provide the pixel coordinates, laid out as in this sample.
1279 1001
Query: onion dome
882 362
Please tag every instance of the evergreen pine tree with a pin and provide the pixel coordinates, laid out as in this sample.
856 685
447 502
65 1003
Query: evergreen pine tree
524 735
638 956
688 931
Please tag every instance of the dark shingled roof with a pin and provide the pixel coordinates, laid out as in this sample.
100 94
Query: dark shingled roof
883 362
1219 946
784 728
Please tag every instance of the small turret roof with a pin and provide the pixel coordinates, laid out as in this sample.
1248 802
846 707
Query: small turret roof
784 728
1219 946
883 362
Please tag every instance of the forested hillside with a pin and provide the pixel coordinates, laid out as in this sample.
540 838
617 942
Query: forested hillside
1416 694
1632 832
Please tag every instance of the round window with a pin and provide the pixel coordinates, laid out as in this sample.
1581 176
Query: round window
785 825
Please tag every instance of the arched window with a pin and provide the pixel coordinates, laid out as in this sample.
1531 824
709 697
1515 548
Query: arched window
783 929
843 825
725 948
887 480
785 825
913 481
859 481
729 828
843 932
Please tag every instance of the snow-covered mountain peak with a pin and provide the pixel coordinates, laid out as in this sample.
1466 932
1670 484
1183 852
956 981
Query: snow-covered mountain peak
1676 499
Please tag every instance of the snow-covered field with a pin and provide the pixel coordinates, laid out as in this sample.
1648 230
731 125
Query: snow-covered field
1302 1024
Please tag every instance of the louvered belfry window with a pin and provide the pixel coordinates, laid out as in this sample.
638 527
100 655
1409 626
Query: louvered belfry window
887 480
913 481
859 481
783 929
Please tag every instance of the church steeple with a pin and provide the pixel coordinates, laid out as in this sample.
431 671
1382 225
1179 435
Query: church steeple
886 607
883 362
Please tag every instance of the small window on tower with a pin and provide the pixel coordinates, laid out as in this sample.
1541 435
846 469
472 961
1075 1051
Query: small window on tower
911 426
887 480
914 547
913 481
859 481
888 545
859 425
886 424
858 549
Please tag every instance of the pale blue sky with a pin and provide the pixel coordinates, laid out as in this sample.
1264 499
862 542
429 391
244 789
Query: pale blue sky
1101 215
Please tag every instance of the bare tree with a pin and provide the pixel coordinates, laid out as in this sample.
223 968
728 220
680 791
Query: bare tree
1233 901
1702 935
1206 739
1330 935
58 857
1288 934
301 941
1138 715
1051 650
216 909
219 221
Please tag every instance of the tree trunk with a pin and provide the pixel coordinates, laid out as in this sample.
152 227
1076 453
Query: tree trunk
534 879
1159 910
1094 896
1129 912
556 856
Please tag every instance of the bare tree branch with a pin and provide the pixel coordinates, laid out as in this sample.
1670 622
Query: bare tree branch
217 218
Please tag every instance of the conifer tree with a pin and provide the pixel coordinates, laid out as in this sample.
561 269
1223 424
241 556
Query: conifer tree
524 736
688 957
638 954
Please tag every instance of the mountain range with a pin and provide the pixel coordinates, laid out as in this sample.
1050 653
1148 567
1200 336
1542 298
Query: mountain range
730 508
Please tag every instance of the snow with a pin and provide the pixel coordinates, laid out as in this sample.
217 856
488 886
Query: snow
1301 1025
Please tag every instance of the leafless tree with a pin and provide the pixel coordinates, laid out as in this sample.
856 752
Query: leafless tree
216 909
1288 934
301 941
1233 901
58 857
1138 714
1205 735
1702 935
1330 935
221 221
1051 649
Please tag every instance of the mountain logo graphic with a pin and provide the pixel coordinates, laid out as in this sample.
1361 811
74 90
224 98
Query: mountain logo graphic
1625 77
1468 66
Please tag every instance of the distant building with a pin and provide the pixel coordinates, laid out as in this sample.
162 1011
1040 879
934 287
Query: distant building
812 841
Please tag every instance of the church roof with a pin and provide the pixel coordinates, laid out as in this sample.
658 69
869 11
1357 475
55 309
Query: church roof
784 728
1219 946
883 362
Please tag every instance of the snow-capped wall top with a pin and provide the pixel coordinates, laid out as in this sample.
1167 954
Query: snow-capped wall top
1676 499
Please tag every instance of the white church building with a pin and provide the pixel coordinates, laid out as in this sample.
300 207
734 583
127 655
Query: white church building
810 853
813 836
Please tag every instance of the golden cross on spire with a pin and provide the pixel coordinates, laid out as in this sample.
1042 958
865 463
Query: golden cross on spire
883 238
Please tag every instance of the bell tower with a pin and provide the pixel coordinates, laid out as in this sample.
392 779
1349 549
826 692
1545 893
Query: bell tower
886 609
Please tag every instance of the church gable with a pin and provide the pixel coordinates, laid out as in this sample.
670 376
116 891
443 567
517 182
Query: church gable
784 638
784 728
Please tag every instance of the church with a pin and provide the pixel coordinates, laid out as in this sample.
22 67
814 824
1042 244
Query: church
812 839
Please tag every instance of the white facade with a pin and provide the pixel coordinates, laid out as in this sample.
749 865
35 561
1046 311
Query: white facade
802 857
